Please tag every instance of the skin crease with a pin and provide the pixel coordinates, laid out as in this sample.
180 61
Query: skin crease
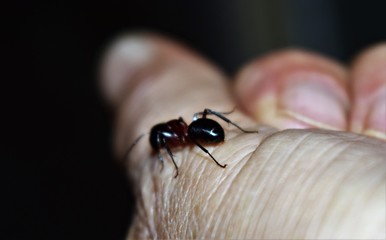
281 183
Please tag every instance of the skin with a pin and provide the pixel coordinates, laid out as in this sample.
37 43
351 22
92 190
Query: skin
316 169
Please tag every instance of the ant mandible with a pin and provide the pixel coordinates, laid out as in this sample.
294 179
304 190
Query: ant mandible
176 133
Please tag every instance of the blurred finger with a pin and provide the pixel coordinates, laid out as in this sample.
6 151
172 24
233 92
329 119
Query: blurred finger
369 93
295 89
151 80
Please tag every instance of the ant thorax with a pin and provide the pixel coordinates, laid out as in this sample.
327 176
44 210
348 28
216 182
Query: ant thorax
173 133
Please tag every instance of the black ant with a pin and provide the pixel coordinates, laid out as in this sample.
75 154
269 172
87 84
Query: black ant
176 133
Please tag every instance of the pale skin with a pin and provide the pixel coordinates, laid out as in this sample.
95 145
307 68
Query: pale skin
316 169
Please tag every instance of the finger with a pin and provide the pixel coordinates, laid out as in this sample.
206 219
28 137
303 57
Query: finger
295 89
132 58
244 200
369 93
166 82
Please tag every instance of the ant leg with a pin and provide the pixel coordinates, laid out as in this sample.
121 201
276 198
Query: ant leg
162 161
219 115
171 156
206 151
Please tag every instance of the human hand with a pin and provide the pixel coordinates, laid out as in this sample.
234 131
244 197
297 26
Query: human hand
322 180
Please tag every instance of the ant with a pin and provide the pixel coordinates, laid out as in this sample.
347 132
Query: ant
177 133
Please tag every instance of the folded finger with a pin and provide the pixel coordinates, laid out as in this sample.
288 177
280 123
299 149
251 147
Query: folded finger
368 114
295 89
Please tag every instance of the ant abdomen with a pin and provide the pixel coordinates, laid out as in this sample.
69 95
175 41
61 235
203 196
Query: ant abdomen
205 130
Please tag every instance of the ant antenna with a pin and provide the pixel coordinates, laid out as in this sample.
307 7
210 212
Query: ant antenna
203 114
133 144
208 111
231 111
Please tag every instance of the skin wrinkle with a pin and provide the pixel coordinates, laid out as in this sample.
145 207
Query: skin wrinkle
226 219
199 178
236 197
250 231
170 212
218 208
373 196
381 183
244 159
162 206
228 179
311 226
153 208
204 206
208 200
188 216
179 209
163 196
307 183
188 219
333 187
142 208
210 194
359 173
289 173
361 197
262 167
184 200
296 179
221 212
275 182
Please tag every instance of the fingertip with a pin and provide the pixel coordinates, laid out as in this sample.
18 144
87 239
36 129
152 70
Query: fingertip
369 92
294 89
123 58
132 57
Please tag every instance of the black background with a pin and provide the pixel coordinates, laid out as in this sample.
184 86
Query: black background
60 178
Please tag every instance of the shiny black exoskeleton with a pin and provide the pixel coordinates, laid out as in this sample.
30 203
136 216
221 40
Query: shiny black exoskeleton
176 133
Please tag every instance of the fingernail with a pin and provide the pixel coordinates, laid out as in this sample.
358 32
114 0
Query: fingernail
124 58
313 100
376 120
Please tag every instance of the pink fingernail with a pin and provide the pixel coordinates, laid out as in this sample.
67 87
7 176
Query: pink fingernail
313 100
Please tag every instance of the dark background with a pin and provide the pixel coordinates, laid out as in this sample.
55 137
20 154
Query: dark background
60 179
